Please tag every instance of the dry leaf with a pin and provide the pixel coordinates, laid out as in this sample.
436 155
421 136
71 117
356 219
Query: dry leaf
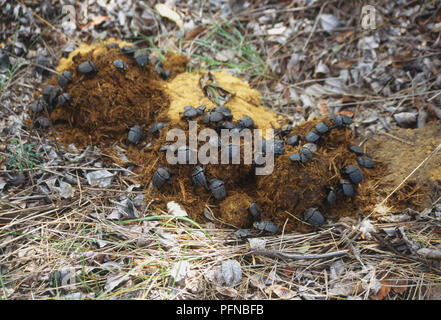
399 286
343 36
384 289
322 106
346 113
344 64
226 291
194 33
281 292
168 13
96 21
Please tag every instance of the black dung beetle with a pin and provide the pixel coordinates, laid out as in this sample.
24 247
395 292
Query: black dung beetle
340 120
63 98
112 45
119 64
128 50
255 211
50 94
134 134
184 154
37 105
295 157
314 217
161 175
293 140
286 129
226 112
217 187
245 122
215 116
347 187
141 57
42 122
190 112
156 127
265 226
201 109
64 78
87 67
353 173
331 197
305 155
279 147
355 149
312 136
198 177
366 162
322 127
311 147
225 125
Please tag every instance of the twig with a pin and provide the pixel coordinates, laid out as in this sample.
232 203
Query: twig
295 256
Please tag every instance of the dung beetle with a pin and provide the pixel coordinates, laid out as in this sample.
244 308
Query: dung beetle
293 140
366 162
233 150
156 127
265 226
63 98
142 57
305 155
112 45
190 112
160 176
311 147
279 147
355 149
226 112
331 197
322 127
225 125
198 177
37 105
134 134
42 122
184 154
340 120
119 64
312 136
215 116
245 122
217 187
347 187
255 211
313 217
64 78
295 157
87 67
50 94
201 109
353 173
286 129
128 50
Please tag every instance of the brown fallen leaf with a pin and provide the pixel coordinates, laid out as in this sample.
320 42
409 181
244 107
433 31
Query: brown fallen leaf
399 286
322 106
96 21
344 64
194 33
384 289
346 113
281 292
340 38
